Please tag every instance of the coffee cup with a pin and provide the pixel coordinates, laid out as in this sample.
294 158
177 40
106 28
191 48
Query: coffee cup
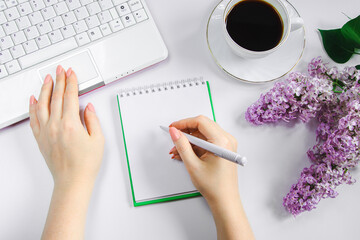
257 28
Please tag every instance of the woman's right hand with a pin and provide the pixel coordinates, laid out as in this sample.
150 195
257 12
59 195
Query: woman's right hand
215 178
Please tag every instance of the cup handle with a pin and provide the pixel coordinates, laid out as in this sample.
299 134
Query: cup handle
295 21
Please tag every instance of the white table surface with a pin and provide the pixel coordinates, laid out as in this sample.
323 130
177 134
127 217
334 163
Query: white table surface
276 154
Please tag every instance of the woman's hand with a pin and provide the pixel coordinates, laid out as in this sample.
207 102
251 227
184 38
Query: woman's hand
72 153
215 178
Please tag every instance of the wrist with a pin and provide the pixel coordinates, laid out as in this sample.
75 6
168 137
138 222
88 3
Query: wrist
224 201
225 194
68 184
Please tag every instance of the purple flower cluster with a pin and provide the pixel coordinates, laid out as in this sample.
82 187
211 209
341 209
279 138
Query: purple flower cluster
333 98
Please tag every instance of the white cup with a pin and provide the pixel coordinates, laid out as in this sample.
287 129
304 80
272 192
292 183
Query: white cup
291 22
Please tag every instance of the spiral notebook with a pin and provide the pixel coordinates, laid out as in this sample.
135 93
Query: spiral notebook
154 176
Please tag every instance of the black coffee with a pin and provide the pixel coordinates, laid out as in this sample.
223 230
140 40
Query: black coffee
255 25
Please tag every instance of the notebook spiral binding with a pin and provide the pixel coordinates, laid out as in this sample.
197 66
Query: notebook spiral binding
169 86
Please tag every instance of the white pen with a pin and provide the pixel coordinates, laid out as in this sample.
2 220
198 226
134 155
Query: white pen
218 151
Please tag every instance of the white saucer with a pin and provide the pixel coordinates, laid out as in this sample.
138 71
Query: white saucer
260 70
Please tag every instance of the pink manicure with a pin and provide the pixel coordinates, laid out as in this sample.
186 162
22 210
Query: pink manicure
58 69
32 100
174 133
47 79
91 107
68 73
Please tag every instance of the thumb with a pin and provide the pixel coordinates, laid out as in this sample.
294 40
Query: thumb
183 147
91 121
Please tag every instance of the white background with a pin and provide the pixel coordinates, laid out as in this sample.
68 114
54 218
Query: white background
276 153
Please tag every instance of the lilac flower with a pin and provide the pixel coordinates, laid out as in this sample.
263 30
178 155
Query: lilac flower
297 97
332 97
315 183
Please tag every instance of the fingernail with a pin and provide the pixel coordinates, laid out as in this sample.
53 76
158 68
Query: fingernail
172 150
68 73
47 79
91 107
59 69
174 133
32 100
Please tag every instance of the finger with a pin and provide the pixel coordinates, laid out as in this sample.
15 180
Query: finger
205 126
43 105
198 151
71 96
176 157
58 94
91 121
34 122
198 135
184 148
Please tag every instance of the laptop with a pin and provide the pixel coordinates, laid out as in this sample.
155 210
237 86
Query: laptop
102 40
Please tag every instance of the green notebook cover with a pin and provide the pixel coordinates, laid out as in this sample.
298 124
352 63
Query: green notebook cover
146 90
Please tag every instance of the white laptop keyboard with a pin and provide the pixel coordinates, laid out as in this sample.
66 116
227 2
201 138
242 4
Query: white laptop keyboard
32 31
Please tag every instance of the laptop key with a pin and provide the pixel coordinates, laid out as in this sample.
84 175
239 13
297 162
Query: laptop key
10 3
80 26
116 25
105 29
17 51
18 37
94 34
93 8
3 72
2 18
48 52
73 4
23 22
5 56
24 8
12 13
37 4
105 4
44 27
82 38
104 17
2 33
31 32
140 15
43 41
36 18
68 31
92 21
13 66
2 5
10 27
30 46
61 8
135 5
123 9
128 20
55 36
6 42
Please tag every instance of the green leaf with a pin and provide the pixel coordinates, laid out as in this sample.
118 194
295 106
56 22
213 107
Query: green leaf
336 46
357 67
351 31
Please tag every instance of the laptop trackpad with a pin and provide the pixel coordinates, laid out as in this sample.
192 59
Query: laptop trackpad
81 63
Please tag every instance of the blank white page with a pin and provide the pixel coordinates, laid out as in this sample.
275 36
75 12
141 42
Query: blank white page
154 174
